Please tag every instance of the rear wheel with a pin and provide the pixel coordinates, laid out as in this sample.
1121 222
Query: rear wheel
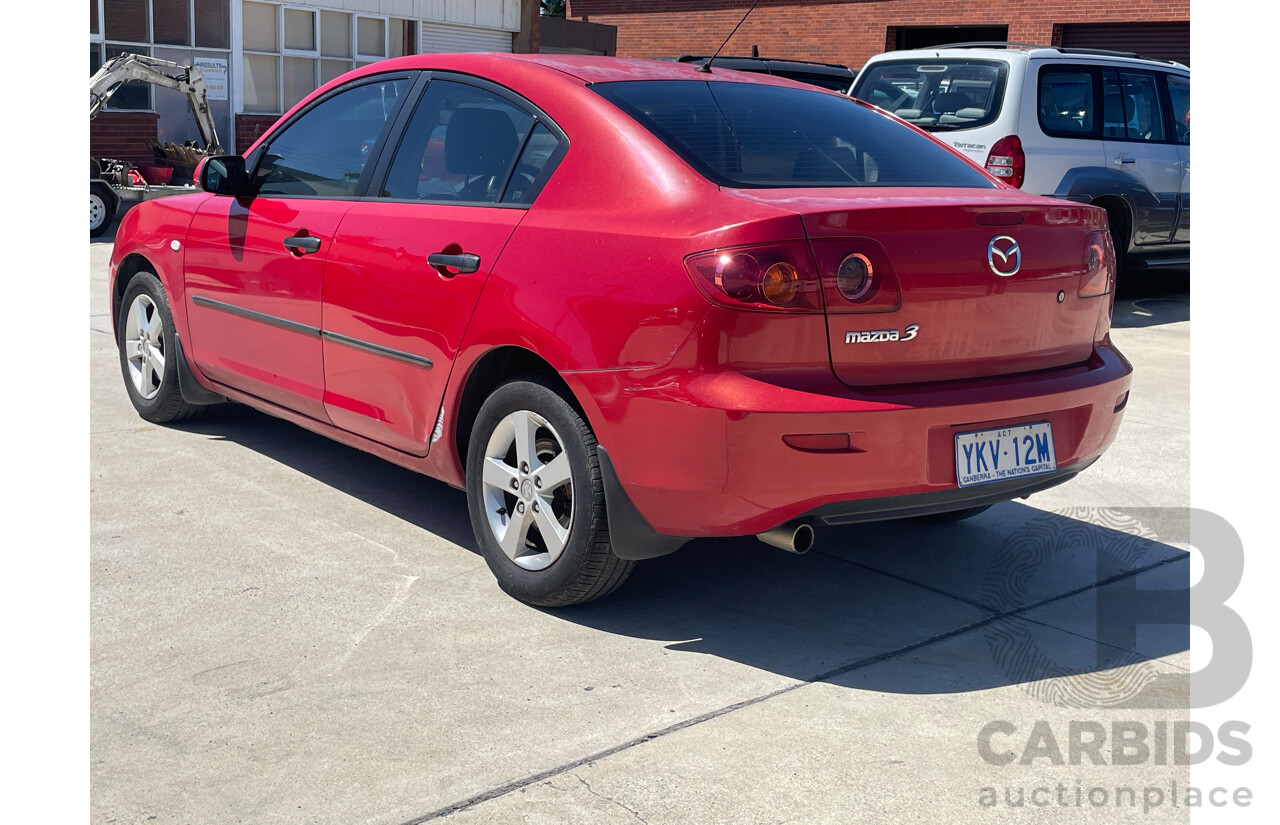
101 209
148 357
536 498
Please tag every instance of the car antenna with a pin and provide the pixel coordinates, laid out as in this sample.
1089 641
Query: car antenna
706 66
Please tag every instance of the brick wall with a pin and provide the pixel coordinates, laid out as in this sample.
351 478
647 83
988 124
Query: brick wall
123 135
846 32
249 127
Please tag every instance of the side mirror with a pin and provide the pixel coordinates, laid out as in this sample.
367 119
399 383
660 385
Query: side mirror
223 175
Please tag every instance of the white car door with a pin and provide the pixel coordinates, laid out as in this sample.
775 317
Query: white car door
1135 134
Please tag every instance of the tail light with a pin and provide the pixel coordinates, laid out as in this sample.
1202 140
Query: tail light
856 276
776 277
1007 162
1099 276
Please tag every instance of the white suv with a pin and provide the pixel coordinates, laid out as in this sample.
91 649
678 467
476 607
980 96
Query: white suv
1105 128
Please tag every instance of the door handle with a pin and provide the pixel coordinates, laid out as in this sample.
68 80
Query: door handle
1123 159
464 262
302 244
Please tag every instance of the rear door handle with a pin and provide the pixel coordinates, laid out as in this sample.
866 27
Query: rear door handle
1123 159
464 263
302 244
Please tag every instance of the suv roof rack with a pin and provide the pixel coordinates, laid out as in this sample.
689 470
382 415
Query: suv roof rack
1000 44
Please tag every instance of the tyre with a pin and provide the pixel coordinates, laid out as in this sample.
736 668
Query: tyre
148 358
102 207
954 515
536 498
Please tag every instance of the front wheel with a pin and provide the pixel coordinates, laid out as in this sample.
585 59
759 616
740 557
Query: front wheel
536 498
148 356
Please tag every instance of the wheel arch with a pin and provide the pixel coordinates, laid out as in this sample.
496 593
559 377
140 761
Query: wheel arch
129 266
490 371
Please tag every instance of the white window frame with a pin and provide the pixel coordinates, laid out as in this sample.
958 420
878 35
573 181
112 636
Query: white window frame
359 58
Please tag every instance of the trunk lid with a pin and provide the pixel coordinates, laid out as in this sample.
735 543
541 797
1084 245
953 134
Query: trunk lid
954 317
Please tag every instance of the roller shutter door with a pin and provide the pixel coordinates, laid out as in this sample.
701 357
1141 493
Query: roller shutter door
1160 41
438 37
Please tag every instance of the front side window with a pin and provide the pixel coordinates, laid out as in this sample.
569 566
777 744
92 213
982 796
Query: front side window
325 151
1066 102
1131 106
752 136
936 95
1180 96
459 146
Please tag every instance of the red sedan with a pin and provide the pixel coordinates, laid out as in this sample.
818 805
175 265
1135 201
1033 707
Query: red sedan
625 303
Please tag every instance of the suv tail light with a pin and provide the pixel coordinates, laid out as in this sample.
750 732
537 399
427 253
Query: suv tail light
1099 276
776 277
1007 162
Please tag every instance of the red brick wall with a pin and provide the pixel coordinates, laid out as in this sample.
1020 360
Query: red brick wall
123 135
249 127
846 32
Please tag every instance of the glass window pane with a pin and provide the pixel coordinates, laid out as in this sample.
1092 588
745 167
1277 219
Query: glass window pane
135 94
260 33
729 133
1180 94
1145 117
458 146
403 37
299 79
261 83
527 178
936 95
329 69
300 30
173 22
126 20
335 34
213 24
371 36
1067 107
325 151
93 17
95 58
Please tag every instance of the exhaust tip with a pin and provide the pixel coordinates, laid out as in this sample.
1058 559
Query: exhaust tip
794 537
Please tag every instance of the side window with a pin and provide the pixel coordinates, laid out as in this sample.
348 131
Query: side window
528 176
1066 102
324 152
458 146
1180 96
1131 106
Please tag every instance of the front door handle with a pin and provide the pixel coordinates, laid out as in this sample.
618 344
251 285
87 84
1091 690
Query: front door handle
302 244
463 263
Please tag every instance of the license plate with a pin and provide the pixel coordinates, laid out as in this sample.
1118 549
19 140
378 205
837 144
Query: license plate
1009 452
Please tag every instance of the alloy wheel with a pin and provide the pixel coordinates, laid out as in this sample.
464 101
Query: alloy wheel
144 346
528 490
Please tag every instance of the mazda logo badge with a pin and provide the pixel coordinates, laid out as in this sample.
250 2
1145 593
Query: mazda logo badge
1004 256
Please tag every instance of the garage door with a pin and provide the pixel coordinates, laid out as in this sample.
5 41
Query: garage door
1161 41
437 37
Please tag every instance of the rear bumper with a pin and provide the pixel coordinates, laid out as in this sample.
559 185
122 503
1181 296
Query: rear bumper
702 454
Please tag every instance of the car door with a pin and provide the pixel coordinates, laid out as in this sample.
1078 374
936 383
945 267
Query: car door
1135 133
406 270
254 264
1180 100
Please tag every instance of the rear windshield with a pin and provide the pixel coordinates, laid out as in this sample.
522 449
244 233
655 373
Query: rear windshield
748 136
939 95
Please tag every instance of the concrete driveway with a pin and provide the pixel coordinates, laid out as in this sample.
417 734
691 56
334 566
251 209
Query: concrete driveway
287 630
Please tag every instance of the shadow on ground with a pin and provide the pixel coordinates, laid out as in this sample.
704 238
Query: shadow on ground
1015 595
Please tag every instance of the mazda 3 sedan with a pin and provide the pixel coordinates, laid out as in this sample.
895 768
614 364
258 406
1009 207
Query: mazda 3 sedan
626 303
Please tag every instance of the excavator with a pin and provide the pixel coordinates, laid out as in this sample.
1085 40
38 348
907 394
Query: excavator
112 181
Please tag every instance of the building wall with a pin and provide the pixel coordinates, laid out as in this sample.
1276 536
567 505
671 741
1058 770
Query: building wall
123 135
842 32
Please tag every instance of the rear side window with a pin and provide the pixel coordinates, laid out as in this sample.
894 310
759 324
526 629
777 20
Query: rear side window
1180 97
1066 102
937 95
1131 106
749 136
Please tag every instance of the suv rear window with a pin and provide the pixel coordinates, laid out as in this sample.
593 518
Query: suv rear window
939 95
749 136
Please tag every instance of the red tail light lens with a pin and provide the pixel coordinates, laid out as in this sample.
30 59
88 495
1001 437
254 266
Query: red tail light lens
1007 162
856 275
1099 276
777 277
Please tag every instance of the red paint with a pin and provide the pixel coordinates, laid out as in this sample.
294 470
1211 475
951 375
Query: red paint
693 399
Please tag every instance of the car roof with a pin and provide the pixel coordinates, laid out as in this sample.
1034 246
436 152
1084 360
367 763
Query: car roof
586 68
1026 51
786 63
